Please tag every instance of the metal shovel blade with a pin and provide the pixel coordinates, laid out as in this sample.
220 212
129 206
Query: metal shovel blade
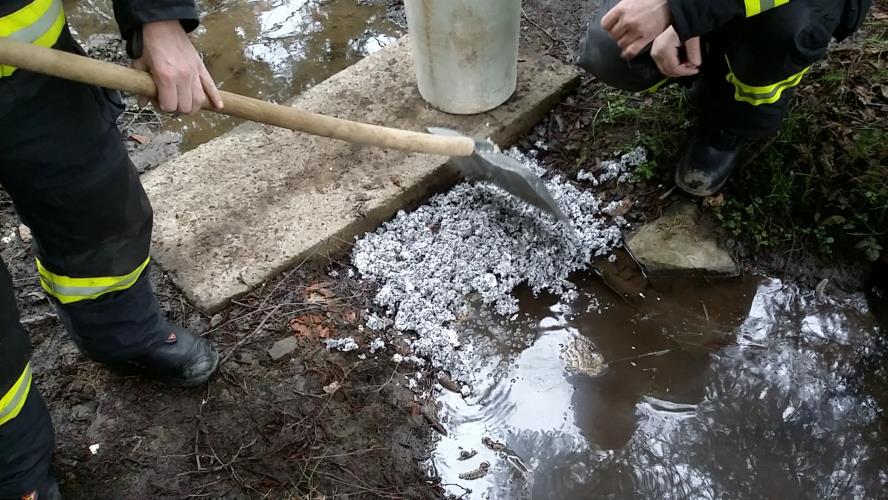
505 172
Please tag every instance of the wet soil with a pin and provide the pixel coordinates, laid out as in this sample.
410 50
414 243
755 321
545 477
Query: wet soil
313 422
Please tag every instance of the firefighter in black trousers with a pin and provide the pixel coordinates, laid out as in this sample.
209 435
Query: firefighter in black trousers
65 166
743 58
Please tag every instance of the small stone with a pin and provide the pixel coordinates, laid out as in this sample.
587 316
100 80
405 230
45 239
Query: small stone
448 383
282 348
82 412
247 358
216 320
25 233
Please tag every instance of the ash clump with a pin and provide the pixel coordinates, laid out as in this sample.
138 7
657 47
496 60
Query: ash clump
477 240
621 169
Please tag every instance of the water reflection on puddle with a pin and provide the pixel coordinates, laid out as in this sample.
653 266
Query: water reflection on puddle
732 389
269 49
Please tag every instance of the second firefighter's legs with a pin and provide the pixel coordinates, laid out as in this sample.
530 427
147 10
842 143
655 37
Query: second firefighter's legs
750 69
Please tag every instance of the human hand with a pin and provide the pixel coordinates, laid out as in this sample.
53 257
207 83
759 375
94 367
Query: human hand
665 53
635 23
183 82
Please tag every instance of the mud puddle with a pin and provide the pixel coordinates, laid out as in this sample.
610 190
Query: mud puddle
743 389
268 49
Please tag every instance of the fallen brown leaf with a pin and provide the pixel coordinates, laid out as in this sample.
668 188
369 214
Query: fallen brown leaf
320 288
310 325
139 138
317 293
323 332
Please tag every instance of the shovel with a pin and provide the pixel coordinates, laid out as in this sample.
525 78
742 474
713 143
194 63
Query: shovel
479 160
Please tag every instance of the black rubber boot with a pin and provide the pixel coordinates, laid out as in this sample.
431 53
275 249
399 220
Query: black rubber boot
692 90
183 359
48 490
710 159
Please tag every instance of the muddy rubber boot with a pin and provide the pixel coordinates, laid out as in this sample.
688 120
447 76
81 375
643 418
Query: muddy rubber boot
710 159
183 359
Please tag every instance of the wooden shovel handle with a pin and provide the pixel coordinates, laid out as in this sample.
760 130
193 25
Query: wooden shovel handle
86 70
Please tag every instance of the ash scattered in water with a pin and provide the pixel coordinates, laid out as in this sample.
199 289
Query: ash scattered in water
478 240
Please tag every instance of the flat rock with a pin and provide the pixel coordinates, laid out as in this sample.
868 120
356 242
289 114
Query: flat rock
282 348
243 207
681 241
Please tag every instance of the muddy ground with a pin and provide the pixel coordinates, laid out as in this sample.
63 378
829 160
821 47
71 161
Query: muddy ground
313 423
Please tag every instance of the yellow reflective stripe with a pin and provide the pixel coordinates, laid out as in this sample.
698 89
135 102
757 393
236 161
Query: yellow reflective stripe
68 290
51 36
24 17
754 7
765 94
14 399
655 87
41 22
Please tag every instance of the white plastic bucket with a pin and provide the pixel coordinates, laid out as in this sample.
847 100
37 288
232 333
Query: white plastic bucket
465 52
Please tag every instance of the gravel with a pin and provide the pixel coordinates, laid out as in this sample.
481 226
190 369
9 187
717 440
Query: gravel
476 240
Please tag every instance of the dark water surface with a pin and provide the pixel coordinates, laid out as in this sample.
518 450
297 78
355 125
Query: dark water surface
748 388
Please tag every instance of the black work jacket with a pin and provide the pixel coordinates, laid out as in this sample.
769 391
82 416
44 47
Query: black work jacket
697 17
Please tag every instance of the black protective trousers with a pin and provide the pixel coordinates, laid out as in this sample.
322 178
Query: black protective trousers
65 166
750 65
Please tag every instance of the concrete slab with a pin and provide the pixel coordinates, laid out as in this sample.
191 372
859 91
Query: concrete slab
239 209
